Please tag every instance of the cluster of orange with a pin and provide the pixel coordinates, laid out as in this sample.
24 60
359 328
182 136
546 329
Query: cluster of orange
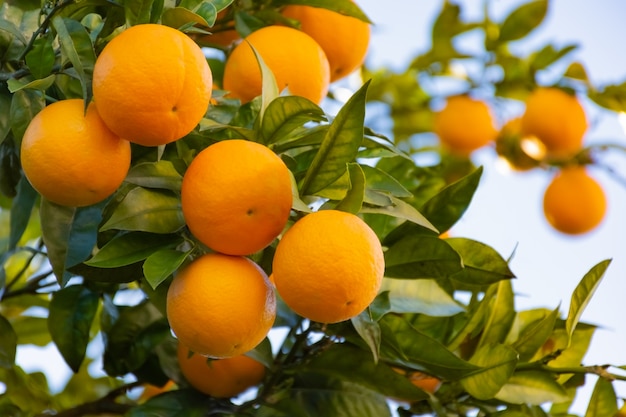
550 130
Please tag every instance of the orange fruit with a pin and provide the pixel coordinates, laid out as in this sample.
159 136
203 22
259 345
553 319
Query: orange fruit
296 60
344 39
328 267
221 378
557 119
421 380
464 124
221 305
70 156
152 84
236 196
574 202
150 390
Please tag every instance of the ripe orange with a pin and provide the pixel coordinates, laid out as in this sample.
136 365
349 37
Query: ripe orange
344 39
464 124
70 157
236 196
557 119
220 305
574 202
421 380
328 267
152 84
221 378
296 60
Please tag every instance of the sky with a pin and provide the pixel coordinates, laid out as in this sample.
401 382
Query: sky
506 211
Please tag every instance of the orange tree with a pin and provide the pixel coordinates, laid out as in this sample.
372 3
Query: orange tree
422 306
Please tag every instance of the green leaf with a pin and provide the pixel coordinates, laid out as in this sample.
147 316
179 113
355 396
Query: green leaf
394 207
284 114
353 200
138 11
8 344
582 295
548 55
421 256
72 311
40 59
128 248
345 7
378 180
269 88
340 145
262 353
76 47
369 330
348 363
533 336
177 17
70 234
612 96
25 104
156 211
498 363
423 296
405 345
603 401
523 20
160 174
482 264
445 208
31 330
40 84
501 315
21 209
177 403
532 387
161 264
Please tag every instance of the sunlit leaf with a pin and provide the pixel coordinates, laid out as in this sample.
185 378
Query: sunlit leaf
177 17
353 200
421 256
129 248
161 264
498 362
72 311
420 296
394 207
533 336
31 330
501 315
340 145
582 294
523 20
603 401
532 387
482 264
286 113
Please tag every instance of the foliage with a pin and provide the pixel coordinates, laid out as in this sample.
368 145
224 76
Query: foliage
70 276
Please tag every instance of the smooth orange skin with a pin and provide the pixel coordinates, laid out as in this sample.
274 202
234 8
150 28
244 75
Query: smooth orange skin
328 267
236 196
557 119
296 60
464 125
152 84
221 306
70 157
220 378
574 203
344 39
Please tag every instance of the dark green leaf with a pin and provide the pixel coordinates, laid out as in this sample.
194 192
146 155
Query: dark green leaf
421 256
369 330
340 145
8 344
69 234
603 401
482 264
76 47
532 387
72 311
178 403
582 294
284 114
353 200
40 59
117 275
132 247
161 264
523 20
160 174
445 208
147 210
21 208
24 106
498 363
419 296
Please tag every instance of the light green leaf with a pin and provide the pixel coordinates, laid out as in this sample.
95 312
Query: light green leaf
369 330
353 200
40 84
421 256
25 104
523 20
284 114
482 264
128 248
269 89
262 353
340 145
160 174
535 334
142 209
423 296
498 363
396 208
177 17
603 401
582 294
31 330
40 59
501 315
532 387
161 264
72 311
